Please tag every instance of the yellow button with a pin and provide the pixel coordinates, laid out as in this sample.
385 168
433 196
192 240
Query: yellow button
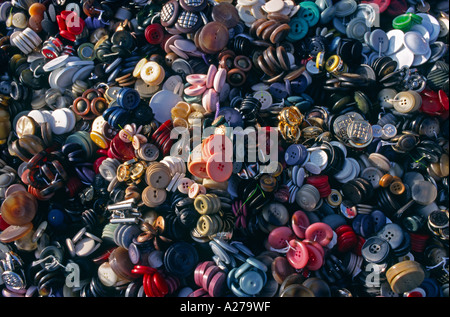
99 139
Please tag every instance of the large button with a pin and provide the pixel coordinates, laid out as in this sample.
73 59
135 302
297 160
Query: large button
375 250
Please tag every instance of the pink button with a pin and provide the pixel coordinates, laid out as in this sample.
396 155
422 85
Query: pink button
212 70
300 222
298 254
219 79
210 99
279 237
316 245
198 168
315 258
320 232
194 90
219 143
196 79
218 169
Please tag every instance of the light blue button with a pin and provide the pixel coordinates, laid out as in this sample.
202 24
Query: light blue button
251 283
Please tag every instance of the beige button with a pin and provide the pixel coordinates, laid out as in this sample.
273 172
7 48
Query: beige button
19 20
158 175
153 197
106 275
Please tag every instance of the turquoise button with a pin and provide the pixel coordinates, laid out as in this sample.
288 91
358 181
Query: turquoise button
299 29
310 12
251 283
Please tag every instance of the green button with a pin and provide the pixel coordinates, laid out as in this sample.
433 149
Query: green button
299 29
310 12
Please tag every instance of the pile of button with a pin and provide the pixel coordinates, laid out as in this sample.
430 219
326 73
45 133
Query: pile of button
102 168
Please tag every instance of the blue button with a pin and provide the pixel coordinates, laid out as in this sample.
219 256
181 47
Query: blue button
232 117
251 282
295 154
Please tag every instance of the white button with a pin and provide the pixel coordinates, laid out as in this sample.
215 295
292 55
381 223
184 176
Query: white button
378 41
273 6
60 121
404 57
319 158
300 177
395 38
264 98
184 184
404 102
106 275
416 43
432 24
386 96
85 247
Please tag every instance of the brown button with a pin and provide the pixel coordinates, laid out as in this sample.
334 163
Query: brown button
274 67
397 188
295 73
19 208
281 269
282 18
292 279
225 13
280 33
264 67
296 290
26 125
272 56
160 224
13 233
255 25
236 77
263 26
283 59
386 180
120 263
214 37
267 32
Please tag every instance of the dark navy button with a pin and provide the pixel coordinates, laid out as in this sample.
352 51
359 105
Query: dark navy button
180 259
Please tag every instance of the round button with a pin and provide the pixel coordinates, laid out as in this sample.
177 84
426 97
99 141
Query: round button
298 254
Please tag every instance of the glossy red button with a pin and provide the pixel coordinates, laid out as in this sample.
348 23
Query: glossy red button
279 237
443 99
347 241
320 232
299 223
67 35
431 106
298 254
154 33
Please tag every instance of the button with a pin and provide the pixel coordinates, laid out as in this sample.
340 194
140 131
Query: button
320 232
298 254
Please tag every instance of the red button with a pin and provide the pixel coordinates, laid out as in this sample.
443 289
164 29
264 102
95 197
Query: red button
160 284
347 241
154 33
320 232
75 24
67 35
300 222
279 237
443 99
298 254
397 7
382 4
344 228
431 106
316 245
